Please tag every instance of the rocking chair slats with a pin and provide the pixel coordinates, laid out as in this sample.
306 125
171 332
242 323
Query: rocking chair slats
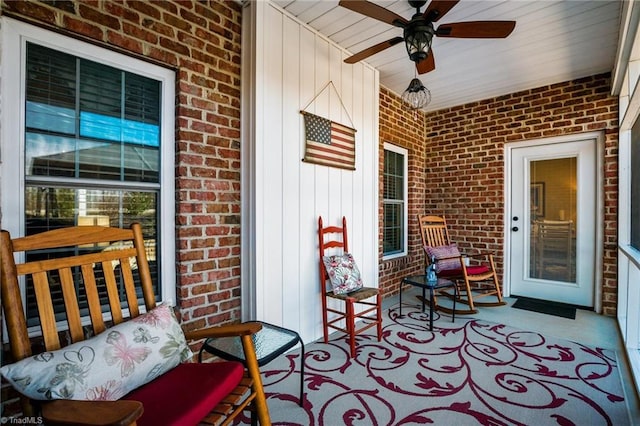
112 292
45 309
71 305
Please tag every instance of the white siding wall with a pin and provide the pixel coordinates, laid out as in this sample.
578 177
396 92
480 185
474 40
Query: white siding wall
285 65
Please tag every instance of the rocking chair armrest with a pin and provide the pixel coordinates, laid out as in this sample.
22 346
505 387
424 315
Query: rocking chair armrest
92 413
243 329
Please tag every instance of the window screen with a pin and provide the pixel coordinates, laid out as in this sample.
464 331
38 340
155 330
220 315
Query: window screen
635 185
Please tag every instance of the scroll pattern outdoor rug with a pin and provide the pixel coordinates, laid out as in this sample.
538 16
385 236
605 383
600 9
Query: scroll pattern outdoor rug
470 372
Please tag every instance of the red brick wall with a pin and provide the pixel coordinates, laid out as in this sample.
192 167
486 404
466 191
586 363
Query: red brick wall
404 128
201 41
459 169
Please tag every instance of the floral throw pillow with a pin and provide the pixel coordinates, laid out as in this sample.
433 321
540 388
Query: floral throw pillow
343 272
447 257
107 366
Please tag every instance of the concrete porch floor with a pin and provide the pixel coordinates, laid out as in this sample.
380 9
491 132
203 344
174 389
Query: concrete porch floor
589 328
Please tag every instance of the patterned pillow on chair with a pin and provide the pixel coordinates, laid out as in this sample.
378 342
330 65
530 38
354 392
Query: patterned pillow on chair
447 257
343 273
107 366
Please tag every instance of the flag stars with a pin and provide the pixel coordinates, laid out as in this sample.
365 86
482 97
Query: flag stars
318 129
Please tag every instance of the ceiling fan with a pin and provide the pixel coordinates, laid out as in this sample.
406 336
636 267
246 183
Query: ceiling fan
419 31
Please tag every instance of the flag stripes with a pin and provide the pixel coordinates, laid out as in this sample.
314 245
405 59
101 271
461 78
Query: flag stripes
329 143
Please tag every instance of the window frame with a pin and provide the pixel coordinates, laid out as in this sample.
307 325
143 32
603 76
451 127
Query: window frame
405 204
15 35
634 185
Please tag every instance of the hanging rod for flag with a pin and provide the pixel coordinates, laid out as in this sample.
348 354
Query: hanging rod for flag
303 110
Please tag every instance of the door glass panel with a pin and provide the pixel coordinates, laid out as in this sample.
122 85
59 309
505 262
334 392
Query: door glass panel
553 215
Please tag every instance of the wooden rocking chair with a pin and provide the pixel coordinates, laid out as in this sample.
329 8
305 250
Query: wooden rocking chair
335 237
88 278
475 280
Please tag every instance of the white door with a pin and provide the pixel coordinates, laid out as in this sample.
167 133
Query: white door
553 221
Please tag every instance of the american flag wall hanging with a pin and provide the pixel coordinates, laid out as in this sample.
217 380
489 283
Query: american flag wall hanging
329 143
326 142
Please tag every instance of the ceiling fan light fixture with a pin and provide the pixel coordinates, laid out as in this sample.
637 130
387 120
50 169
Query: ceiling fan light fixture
417 38
416 96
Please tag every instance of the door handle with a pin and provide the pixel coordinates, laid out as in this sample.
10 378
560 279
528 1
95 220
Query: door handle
514 229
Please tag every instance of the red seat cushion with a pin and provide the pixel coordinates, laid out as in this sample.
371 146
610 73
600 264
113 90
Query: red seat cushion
471 270
477 269
187 393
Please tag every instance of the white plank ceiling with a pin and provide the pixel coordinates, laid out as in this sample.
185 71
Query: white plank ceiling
553 41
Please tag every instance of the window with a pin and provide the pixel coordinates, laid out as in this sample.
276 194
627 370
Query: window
89 142
635 185
395 202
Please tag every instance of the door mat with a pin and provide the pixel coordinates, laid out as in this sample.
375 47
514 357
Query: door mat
546 307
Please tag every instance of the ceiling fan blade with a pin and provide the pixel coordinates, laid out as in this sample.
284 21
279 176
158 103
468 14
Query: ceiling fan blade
373 50
476 29
374 11
426 65
438 8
